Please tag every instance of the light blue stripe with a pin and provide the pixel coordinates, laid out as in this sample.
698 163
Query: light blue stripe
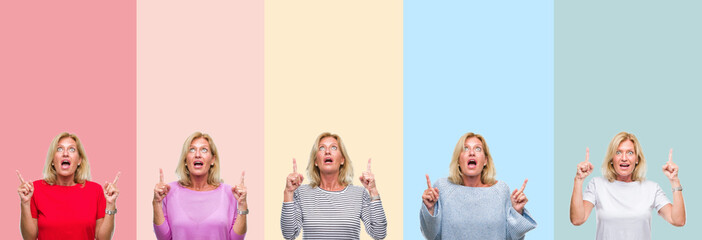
486 67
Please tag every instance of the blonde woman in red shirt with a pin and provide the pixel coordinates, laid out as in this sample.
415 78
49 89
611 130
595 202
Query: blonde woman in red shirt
65 205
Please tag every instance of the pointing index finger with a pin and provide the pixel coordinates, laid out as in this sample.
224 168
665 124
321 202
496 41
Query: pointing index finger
294 166
20 177
116 178
369 168
524 185
160 173
587 154
428 182
670 155
243 174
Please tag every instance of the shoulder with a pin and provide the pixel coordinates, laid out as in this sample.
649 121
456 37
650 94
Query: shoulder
225 186
650 184
501 186
354 189
92 185
443 183
599 181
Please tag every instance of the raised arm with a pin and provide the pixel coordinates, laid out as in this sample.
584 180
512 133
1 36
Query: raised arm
161 227
579 208
106 225
28 224
675 213
240 194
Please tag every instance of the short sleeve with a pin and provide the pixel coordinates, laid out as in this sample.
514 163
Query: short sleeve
33 208
660 200
590 193
101 202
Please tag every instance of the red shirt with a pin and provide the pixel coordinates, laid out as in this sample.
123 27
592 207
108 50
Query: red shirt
67 212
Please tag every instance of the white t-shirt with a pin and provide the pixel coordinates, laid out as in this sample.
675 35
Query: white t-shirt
624 208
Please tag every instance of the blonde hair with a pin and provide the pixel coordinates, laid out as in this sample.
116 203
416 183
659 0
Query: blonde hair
487 176
182 170
82 173
608 171
345 171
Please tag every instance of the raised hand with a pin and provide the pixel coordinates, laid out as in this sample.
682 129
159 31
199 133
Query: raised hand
240 193
368 180
111 191
670 169
585 167
294 179
161 188
430 196
25 189
519 199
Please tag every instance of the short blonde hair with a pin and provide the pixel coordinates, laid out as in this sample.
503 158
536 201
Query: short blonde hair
487 176
182 170
608 171
82 173
346 170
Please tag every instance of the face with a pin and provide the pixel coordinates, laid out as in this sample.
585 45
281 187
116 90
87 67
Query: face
472 159
329 157
624 160
199 158
66 157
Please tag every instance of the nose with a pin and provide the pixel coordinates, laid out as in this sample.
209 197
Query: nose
65 153
471 152
198 154
327 150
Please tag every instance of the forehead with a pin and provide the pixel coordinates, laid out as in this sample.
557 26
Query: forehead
66 141
472 141
626 144
201 141
329 140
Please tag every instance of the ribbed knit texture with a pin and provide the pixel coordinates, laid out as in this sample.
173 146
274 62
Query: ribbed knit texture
474 213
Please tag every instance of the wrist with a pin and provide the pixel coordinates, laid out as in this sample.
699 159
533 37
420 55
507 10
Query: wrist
675 183
373 192
111 206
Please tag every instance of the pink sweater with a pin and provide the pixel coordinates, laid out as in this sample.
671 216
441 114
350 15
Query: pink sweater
198 215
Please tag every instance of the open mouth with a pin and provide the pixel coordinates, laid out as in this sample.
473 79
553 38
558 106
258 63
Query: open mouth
472 163
328 160
65 164
198 164
624 166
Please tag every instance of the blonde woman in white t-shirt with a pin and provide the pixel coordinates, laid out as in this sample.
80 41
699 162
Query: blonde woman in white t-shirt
622 197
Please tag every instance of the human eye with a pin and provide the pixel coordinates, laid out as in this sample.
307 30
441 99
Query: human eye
192 150
334 148
478 149
619 152
466 149
72 149
60 149
322 148
204 150
630 152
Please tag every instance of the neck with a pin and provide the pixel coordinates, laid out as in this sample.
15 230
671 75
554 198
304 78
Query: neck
472 181
65 180
330 182
198 183
624 178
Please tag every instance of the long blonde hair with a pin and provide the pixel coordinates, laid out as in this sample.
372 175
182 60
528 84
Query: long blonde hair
82 173
487 176
608 171
345 171
182 170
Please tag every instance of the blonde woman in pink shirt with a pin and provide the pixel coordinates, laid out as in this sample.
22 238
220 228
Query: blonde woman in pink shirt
199 205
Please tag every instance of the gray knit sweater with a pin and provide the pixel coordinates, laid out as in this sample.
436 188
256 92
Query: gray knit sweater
474 213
